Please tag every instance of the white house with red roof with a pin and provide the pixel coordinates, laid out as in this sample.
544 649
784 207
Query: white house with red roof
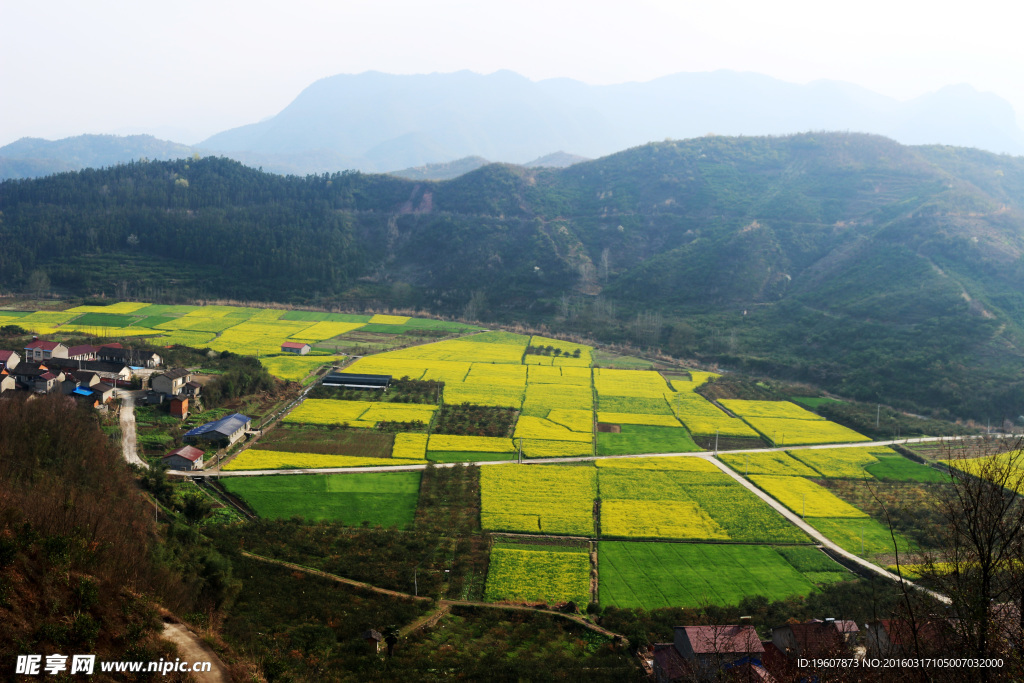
41 350
296 347
9 359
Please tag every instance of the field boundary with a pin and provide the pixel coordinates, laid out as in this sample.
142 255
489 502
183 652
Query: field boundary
444 605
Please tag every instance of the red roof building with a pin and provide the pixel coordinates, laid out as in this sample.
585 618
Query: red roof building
40 350
296 347
185 458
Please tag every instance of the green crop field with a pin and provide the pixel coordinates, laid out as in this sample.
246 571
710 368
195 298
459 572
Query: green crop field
385 498
104 320
898 468
652 575
545 574
636 439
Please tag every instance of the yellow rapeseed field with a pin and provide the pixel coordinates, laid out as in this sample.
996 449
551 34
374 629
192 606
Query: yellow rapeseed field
482 444
804 497
658 519
637 419
779 409
324 330
382 319
410 446
538 499
784 432
530 427
629 382
256 459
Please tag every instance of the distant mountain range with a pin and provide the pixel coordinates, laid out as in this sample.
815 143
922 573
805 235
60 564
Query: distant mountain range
377 122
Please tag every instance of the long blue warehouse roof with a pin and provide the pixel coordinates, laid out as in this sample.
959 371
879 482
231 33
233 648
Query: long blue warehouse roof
226 425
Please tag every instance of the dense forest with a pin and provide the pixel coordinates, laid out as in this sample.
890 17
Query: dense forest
878 271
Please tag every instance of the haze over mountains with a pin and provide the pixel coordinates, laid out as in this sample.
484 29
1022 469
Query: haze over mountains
378 122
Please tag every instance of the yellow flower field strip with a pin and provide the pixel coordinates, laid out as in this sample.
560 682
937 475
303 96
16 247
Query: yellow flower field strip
499 396
767 463
382 319
676 463
295 368
844 463
773 409
255 338
46 318
538 498
693 405
724 426
119 307
574 420
482 444
559 575
410 446
324 330
541 398
399 412
557 361
1007 468
529 427
541 374
198 340
637 419
539 448
256 459
620 483
642 405
376 365
804 497
783 432
629 382
461 351
329 411
497 373
658 519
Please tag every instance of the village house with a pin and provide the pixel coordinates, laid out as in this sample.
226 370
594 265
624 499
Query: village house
296 347
902 638
40 350
815 638
172 382
184 459
9 359
38 377
222 432
136 358
705 652
112 372
83 352
7 382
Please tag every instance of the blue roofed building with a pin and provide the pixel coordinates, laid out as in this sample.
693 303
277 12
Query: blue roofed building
223 432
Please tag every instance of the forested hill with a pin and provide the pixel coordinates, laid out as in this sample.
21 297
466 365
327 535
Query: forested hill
878 270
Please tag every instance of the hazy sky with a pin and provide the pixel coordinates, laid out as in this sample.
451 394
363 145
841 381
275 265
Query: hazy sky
186 69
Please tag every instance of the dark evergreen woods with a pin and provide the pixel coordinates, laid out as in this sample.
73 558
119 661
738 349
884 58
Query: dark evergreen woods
878 271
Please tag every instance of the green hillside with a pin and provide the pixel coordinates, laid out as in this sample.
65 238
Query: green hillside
875 270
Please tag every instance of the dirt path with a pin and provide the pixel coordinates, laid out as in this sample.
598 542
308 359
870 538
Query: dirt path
443 605
128 435
339 579
193 649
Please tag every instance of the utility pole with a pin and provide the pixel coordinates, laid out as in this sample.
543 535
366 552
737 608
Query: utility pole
716 443
878 415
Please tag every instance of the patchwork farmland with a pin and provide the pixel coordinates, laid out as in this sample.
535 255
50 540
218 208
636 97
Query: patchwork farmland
626 532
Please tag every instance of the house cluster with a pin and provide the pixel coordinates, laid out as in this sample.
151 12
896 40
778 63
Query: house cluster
89 373
737 652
